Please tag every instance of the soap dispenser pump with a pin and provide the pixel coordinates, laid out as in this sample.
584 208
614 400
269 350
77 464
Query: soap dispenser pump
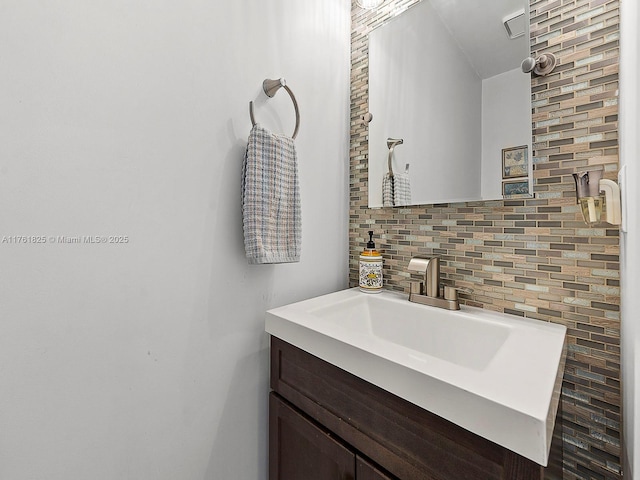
370 268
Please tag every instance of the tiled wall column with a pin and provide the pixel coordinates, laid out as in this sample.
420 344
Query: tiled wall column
532 258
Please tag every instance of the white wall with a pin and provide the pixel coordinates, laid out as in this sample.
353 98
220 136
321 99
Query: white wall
506 122
630 242
147 360
411 100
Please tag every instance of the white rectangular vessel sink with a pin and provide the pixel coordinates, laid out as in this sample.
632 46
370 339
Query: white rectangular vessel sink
496 375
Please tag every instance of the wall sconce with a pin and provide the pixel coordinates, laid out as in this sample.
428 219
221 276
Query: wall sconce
595 194
543 65
369 4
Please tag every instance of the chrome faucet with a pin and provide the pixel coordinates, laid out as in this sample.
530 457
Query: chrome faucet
428 292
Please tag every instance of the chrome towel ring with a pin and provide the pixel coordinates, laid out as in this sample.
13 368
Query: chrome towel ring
391 144
270 87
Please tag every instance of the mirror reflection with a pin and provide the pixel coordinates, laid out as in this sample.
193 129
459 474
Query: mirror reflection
451 106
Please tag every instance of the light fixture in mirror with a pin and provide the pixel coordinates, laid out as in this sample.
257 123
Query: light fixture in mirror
446 77
369 4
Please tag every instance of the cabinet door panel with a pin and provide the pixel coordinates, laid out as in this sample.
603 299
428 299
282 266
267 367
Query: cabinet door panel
367 471
298 449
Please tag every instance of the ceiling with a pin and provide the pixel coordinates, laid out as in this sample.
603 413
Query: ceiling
477 26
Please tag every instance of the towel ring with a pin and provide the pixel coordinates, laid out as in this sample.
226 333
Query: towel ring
391 144
270 88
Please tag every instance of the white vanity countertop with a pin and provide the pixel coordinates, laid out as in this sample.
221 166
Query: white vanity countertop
496 375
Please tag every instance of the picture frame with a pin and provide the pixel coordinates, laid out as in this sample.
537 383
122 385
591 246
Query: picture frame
516 188
515 162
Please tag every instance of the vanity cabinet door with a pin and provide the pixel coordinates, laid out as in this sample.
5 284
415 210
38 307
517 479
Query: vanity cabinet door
367 471
300 450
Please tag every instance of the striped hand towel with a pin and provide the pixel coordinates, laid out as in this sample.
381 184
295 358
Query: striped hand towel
271 216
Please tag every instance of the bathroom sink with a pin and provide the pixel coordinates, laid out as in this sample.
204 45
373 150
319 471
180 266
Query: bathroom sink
496 375
405 324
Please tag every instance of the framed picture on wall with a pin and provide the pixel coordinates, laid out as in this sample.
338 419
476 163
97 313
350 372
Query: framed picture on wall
515 188
515 162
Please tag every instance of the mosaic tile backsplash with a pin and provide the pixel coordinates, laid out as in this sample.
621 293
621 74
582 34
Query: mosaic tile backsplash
536 257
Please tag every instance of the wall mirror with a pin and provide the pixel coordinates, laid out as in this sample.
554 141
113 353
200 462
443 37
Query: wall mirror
445 77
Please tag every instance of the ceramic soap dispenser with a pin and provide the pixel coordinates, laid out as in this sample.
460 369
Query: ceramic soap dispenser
370 268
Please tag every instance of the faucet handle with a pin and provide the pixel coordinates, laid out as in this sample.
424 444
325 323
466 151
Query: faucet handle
416 288
450 293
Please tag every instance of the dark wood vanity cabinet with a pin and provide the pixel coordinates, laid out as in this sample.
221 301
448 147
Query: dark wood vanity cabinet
303 450
327 424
